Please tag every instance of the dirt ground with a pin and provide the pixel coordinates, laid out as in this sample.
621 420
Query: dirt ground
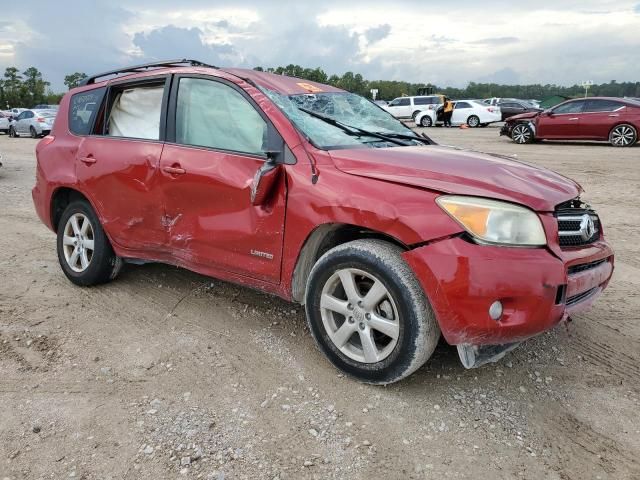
168 374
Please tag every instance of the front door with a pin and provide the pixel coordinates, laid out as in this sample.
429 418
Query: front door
24 122
400 107
218 143
562 122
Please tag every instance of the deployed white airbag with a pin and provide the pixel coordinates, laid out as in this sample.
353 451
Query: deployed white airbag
136 113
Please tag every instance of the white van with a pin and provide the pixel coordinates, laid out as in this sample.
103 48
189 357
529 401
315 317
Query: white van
409 107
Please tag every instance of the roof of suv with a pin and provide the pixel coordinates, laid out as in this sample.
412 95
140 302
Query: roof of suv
279 83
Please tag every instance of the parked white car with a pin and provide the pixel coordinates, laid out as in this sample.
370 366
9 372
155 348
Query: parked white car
4 122
409 107
471 112
34 123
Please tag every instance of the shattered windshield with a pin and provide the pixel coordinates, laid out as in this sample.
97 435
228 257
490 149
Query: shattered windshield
349 110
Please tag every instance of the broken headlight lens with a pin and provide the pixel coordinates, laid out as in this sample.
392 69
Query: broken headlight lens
495 222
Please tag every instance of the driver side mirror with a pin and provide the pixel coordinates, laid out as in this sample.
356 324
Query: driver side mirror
265 179
548 113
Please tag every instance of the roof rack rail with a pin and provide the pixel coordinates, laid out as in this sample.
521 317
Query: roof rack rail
146 66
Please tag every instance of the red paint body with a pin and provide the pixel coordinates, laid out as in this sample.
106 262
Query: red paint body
191 207
581 125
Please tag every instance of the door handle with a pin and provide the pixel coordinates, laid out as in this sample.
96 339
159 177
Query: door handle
614 115
89 159
574 118
175 170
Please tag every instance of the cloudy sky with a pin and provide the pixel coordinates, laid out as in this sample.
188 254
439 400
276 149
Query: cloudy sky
443 42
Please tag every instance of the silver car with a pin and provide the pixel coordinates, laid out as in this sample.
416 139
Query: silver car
4 122
35 123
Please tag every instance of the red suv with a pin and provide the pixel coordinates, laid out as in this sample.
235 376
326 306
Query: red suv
616 120
321 197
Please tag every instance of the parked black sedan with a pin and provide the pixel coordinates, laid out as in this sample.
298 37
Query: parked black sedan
510 107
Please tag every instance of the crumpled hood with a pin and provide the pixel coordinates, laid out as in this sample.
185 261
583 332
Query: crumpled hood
525 116
463 172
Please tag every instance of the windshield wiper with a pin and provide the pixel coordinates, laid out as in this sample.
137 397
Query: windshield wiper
419 138
350 128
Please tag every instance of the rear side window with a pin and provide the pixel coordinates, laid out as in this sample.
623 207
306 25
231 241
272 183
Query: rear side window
602 106
135 112
214 115
460 105
83 110
424 101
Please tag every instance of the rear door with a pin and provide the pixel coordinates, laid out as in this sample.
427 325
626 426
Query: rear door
217 138
117 161
561 122
599 117
461 112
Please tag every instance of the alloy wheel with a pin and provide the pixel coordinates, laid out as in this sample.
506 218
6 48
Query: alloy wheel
623 136
521 134
360 315
78 242
473 121
425 121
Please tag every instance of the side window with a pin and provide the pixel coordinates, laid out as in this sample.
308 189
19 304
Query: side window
135 112
602 106
212 114
403 102
460 105
28 114
571 107
421 101
82 110
21 116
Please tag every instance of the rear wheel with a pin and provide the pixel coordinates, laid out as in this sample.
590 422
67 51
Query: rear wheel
623 136
368 313
84 251
522 134
473 121
33 132
414 115
426 121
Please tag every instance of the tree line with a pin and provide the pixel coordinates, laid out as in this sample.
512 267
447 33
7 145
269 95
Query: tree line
28 88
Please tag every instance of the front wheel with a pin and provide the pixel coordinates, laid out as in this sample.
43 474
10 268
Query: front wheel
426 121
84 251
623 136
368 314
473 121
522 134
12 132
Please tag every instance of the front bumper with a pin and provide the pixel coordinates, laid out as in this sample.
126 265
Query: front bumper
537 288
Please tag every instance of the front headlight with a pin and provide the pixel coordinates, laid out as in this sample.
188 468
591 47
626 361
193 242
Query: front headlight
495 222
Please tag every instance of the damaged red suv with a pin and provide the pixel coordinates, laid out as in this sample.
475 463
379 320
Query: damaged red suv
319 196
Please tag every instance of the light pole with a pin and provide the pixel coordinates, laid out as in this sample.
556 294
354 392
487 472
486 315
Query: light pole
586 85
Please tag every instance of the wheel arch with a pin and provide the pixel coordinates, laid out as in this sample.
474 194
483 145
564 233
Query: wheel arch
60 199
322 239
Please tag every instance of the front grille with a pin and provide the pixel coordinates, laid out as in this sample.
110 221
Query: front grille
581 296
578 224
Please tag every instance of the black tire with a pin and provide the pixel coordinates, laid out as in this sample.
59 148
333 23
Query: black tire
33 132
473 121
416 327
623 135
12 132
522 133
426 121
414 115
103 265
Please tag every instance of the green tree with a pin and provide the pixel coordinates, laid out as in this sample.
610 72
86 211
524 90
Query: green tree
33 87
73 80
11 87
